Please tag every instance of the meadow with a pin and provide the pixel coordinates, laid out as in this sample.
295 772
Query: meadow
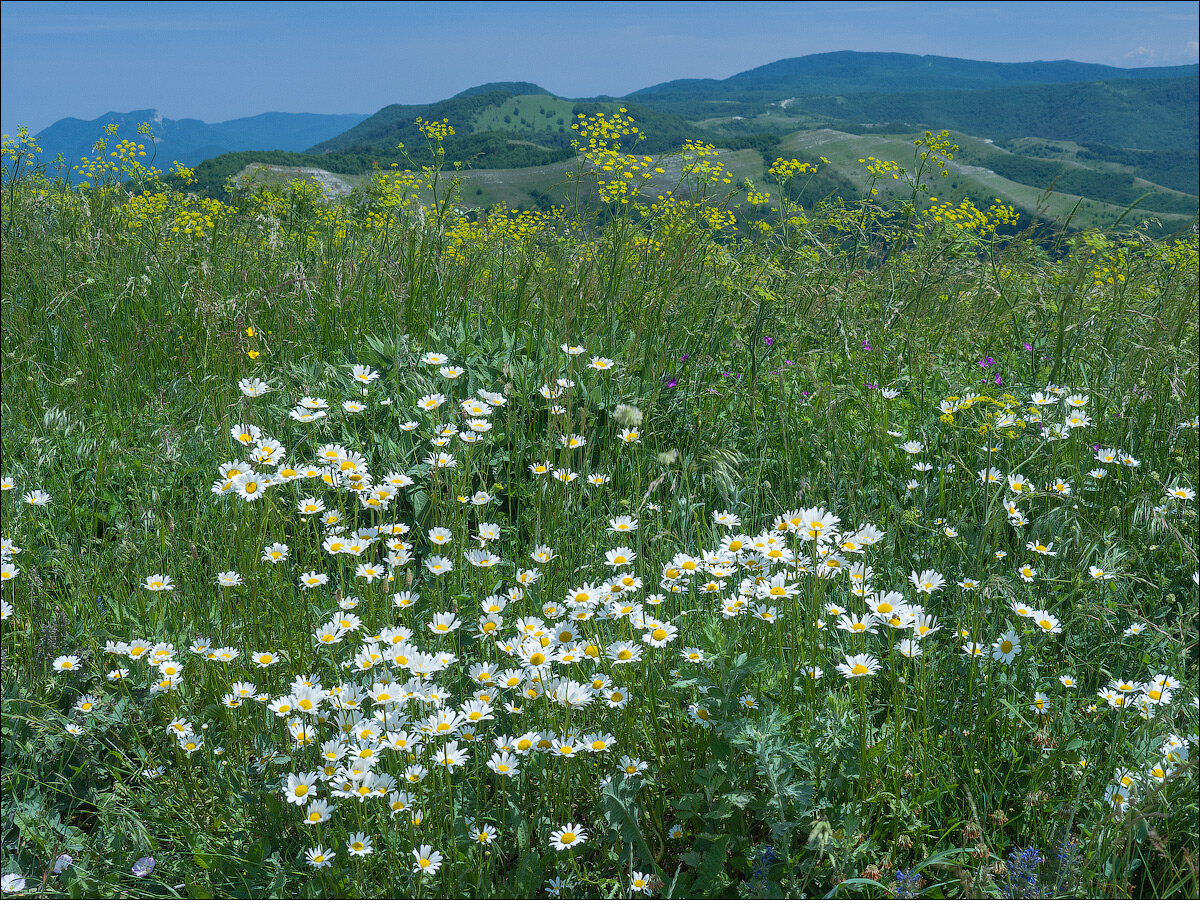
642 545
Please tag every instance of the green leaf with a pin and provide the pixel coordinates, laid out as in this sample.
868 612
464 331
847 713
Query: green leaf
711 868
529 875
619 801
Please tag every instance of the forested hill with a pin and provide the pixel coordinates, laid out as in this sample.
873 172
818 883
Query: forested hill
849 72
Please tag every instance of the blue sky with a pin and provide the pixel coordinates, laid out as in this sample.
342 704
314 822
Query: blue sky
218 61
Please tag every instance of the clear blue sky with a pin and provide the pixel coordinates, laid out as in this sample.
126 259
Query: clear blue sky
218 61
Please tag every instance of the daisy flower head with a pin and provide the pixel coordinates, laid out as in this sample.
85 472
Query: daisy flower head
858 666
928 581
1046 622
244 434
1007 647
427 860
36 498
438 565
66 664
250 486
568 837
275 553
600 363
974 650
253 387
311 580
1019 484
158 583
319 857
726 518
364 375
318 811
430 402
639 882
693 655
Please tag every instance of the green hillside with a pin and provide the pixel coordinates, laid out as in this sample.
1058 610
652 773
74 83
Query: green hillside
1158 114
1150 115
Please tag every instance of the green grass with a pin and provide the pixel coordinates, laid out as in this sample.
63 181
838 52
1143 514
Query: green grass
532 114
768 369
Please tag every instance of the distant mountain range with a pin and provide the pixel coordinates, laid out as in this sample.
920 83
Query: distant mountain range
848 72
191 141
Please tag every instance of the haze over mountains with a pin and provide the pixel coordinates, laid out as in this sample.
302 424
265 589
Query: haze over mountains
191 141
1110 136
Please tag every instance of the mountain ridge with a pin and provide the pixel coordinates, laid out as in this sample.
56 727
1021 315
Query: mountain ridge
190 141
848 71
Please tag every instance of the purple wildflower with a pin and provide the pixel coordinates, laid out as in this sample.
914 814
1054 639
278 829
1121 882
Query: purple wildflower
143 867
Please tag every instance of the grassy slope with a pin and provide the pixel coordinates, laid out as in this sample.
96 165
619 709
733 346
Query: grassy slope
844 150
528 115
520 187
